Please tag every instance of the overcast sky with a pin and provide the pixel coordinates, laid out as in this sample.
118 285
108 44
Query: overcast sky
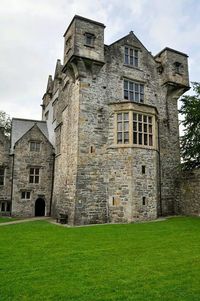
31 39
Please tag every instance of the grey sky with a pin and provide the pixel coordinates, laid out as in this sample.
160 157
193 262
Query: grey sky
31 39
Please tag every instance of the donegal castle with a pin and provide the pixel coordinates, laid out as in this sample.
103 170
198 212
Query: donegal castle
107 147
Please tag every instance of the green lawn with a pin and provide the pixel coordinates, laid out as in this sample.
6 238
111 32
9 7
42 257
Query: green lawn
5 219
149 261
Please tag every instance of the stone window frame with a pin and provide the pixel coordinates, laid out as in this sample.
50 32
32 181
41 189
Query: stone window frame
2 175
133 90
25 195
35 146
89 39
34 175
131 56
151 145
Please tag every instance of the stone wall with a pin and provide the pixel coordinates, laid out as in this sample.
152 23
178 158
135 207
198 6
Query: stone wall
24 159
5 163
190 193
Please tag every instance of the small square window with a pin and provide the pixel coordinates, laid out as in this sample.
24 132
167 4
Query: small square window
89 39
34 146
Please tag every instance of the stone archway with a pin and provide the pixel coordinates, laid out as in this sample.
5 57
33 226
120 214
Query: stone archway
40 207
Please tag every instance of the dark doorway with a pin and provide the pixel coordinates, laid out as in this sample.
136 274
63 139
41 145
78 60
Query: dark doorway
39 207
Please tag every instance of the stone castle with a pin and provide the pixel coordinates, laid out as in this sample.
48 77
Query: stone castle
107 148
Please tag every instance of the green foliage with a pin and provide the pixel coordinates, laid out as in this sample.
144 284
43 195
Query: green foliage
134 262
190 141
5 122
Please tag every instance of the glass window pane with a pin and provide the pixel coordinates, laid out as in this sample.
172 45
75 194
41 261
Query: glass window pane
36 179
119 117
135 138
126 126
142 89
136 53
119 127
145 128
131 86
126 138
126 116
31 171
125 94
136 87
37 171
140 138
150 140
31 179
140 127
130 95
150 119
145 139
119 137
126 59
28 195
137 96
131 60
126 50
150 128
134 116
136 62
139 117
145 118
135 126
125 84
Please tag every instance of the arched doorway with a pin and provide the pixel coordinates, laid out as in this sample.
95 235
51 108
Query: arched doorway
39 207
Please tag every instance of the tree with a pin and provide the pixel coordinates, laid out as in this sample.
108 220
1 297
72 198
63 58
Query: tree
190 141
5 122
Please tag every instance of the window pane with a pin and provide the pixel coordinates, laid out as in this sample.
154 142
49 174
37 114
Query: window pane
131 86
37 171
125 94
131 52
137 97
135 138
126 59
126 138
36 179
136 53
119 137
131 96
142 89
131 60
31 171
28 194
31 179
125 84
119 127
140 138
150 140
126 50
150 119
145 118
150 128
23 195
136 62
1 171
140 127
136 87
145 127
145 139
126 126
134 116
135 126
119 117
139 117
126 116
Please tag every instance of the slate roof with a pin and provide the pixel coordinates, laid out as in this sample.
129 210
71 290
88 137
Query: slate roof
21 126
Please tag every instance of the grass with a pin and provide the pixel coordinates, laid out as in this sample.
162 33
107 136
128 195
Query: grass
5 219
149 261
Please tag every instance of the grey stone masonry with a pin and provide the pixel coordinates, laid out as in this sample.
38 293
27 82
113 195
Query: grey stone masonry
5 174
190 192
32 173
112 113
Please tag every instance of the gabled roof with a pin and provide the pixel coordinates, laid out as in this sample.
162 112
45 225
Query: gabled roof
133 36
22 126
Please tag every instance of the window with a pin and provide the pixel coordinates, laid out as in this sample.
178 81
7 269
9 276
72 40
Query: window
35 146
25 195
123 128
177 67
34 175
8 207
133 91
144 201
131 56
2 175
135 129
89 39
143 169
142 129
